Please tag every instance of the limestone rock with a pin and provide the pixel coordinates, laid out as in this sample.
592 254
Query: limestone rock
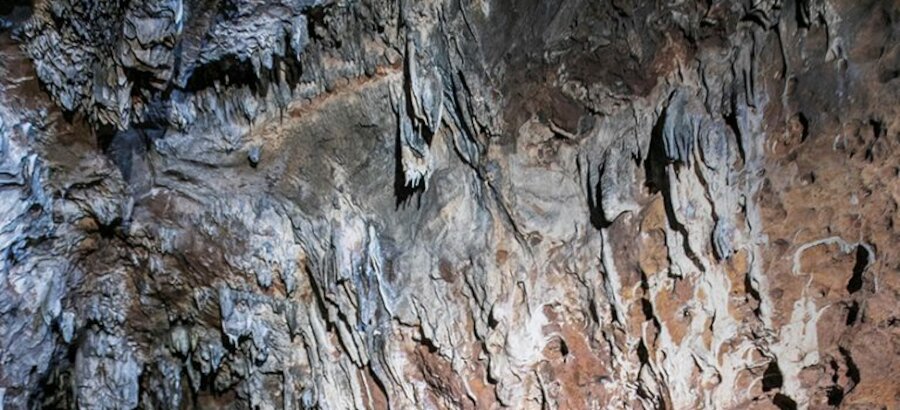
273 204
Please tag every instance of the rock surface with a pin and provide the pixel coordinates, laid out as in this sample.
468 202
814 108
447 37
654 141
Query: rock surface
285 204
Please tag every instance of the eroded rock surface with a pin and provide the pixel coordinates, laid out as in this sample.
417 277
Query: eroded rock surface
449 204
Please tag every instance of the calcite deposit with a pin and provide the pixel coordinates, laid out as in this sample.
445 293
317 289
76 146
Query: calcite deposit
449 204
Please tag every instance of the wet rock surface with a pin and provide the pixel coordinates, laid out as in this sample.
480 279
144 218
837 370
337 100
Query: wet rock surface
449 204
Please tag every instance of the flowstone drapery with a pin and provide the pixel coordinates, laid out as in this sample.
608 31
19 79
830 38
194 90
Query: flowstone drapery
449 204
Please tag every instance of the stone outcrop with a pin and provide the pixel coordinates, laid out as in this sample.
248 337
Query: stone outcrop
440 204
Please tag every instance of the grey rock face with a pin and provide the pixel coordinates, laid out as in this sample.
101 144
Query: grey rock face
449 204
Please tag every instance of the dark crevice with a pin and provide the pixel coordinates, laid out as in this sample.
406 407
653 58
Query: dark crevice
142 80
783 402
228 71
731 120
804 126
379 384
318 296
877 128
104 135
13 13
772 378
595 200
426 342
492 321
55 391
644 357
643 353
317 17
8 6
647 309
852 313
614 312
862 262
852 370
758 17
655 164
748 285
563 348
646 305
834 367
109 230
802 13
490 379
835 395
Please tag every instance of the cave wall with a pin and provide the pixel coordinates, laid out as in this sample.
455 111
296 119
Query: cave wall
449 204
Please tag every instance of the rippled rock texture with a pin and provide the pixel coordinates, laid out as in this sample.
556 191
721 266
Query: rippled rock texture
442 204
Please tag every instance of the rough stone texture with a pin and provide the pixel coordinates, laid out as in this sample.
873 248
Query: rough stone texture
449 204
